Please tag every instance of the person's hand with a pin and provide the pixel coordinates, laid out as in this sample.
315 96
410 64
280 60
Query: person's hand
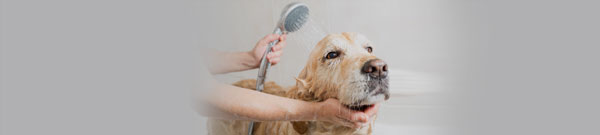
276 51
333 111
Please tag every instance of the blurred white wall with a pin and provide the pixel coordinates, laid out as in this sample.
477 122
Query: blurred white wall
124 66
413 35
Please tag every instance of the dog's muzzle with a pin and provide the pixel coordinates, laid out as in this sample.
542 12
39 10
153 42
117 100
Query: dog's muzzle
376 71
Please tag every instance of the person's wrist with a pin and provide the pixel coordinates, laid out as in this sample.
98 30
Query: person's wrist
306 111
252 62
316 110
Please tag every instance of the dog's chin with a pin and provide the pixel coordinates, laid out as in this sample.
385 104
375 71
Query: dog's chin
367 103
378 92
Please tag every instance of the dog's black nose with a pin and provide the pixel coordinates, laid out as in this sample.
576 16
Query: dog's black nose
375 68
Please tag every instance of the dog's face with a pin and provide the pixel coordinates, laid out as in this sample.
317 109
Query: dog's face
343 66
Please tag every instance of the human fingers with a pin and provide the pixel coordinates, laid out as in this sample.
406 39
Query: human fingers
269 38
279 46
274 54
353 116
341 115
344 122
274 61
283 37
372 111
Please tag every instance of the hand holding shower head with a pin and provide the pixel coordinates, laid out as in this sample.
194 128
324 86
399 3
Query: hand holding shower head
294 15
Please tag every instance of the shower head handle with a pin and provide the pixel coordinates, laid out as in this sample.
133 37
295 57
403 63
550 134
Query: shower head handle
294 15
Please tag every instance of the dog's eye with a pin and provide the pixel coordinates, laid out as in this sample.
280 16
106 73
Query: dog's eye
332 55
369 49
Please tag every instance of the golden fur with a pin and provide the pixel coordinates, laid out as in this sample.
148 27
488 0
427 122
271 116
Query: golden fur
319 80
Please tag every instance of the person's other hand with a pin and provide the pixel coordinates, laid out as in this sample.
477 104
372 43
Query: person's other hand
276 50
333 111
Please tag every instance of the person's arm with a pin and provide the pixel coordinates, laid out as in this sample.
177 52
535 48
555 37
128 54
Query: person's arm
225 62
238 103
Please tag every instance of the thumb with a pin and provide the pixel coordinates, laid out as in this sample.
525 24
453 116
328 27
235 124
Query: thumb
354 116
360 117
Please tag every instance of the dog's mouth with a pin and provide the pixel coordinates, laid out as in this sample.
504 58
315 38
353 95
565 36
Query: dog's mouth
361 108
375 92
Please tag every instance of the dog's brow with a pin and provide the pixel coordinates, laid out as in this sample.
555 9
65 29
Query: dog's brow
335 45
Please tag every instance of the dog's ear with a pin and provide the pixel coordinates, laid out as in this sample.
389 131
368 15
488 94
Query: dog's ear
301 84
301 91
300 126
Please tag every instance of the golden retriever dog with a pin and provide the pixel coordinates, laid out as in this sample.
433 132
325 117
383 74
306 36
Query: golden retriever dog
341 66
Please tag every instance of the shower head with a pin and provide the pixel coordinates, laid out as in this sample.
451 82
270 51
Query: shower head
294 15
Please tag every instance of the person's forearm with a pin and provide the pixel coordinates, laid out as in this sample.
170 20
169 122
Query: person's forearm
225 62
252 105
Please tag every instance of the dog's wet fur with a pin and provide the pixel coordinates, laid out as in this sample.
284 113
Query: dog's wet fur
341 66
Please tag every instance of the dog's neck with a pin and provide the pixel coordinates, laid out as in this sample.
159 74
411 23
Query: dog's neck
306 91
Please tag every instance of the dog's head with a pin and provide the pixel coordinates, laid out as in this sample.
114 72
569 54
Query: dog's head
344 66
